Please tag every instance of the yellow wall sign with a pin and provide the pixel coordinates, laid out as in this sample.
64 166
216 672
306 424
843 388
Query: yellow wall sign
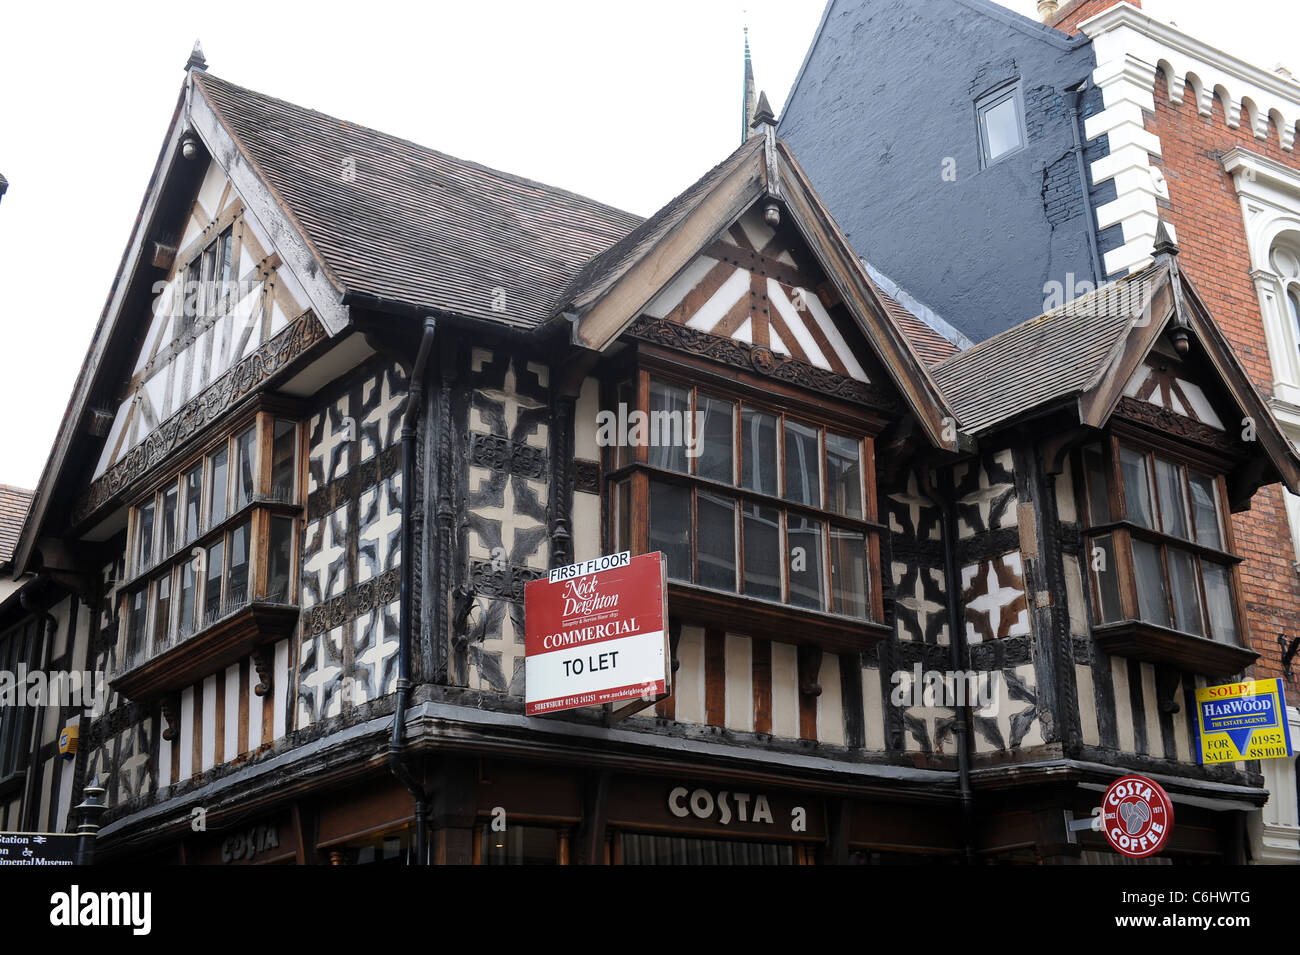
1245 720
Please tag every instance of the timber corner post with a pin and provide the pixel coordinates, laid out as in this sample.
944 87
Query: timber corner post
91 809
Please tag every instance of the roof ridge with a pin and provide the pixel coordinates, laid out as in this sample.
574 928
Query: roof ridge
584 277
206 77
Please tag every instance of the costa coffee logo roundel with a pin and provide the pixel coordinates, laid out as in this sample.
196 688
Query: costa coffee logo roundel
1137 816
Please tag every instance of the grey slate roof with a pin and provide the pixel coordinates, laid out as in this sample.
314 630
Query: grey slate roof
1046 359
417 226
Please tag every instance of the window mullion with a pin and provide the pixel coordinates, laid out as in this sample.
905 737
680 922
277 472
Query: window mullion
1118 503
1125 568
782 478
783 542
694 533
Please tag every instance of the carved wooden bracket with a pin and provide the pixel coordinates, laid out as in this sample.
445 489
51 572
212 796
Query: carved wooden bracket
674 638
1167 681
264 662
810 665
171 712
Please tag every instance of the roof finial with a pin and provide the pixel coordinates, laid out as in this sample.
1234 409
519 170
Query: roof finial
1165 244
196 60
747 119
763 115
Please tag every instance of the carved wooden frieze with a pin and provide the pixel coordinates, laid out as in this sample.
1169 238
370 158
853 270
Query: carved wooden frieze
1000 654
497 453
325 500
249 375
1179 426
360 598
586 476
757 358
501 579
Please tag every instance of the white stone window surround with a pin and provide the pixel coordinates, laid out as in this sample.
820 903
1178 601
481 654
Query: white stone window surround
1130 47
1270 212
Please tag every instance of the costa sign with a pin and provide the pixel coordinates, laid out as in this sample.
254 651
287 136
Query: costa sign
1136 816
594 632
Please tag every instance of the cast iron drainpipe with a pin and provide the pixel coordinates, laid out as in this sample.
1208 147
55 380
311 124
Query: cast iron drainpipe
396 747
957 645
1075 117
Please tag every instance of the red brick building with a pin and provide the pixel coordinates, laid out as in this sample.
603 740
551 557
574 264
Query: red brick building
1206 142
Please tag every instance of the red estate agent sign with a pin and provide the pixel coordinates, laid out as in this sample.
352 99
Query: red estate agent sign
595 633
1137 816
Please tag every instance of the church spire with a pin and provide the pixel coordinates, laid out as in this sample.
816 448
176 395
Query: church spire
751 97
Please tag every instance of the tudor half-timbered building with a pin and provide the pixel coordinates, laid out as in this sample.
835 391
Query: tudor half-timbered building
344 403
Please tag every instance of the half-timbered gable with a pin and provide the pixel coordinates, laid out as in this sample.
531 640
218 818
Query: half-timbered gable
350 396
1141 442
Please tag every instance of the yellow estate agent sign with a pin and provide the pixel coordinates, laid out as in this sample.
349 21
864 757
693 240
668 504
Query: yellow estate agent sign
1245 720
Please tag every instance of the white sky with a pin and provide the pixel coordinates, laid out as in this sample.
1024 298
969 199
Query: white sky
626 103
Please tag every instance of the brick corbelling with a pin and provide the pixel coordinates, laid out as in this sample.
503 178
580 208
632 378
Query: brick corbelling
1206 213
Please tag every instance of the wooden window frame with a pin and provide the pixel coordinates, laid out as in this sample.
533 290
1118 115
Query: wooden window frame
1131 635
254 619
201 266
734 610
20 645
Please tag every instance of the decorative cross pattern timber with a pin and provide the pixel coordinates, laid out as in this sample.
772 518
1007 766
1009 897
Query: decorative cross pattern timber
1156 385
507 490
141 462
750 286
330 497
993 592
351 555
756 358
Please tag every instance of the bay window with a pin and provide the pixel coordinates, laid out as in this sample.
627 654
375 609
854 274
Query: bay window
214 547
761 505
1159 552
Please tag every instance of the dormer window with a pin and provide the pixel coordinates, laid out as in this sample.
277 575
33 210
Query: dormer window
1159 548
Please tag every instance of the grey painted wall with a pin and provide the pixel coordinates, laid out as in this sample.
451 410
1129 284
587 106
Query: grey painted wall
887 95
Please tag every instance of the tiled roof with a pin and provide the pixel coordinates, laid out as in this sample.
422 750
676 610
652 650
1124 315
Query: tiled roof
602 271
14 502
1046 359
929 345
430 231
416 226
